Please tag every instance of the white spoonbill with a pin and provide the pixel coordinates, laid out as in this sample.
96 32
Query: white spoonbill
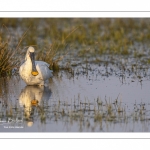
34 72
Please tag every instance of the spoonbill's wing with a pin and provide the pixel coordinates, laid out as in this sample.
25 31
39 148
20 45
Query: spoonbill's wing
43 69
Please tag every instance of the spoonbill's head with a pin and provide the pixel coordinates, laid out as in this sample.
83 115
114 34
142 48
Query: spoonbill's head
30 56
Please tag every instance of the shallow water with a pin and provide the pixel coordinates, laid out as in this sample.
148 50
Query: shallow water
84 101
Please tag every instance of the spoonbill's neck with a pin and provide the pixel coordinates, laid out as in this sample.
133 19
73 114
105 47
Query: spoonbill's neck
28 60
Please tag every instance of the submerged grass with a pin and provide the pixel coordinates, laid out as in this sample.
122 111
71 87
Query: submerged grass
95 31
78 111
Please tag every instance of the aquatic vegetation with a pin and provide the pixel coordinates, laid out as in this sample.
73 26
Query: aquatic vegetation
59 39
103 35
79 111
8 59
50 55
55 52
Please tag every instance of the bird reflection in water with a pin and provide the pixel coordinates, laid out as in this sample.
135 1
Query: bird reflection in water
33 99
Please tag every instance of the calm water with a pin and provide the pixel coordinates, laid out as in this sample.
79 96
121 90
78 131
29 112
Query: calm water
77 102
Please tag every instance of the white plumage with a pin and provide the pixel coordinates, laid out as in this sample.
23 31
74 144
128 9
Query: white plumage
34 72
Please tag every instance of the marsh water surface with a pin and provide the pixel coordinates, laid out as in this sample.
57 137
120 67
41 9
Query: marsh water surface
76 103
